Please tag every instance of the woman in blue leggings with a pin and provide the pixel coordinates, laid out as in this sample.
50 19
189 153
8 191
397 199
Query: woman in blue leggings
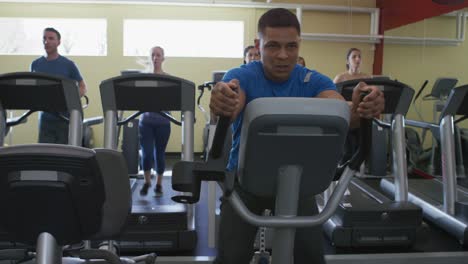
154 134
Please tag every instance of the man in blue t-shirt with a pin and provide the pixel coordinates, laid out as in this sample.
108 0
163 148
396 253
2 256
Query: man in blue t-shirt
276 75
52 129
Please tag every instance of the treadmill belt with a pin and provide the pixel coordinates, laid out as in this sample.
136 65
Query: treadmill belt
433 189
152 203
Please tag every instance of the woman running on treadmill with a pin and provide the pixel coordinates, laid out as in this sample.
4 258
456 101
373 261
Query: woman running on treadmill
353 65
154 132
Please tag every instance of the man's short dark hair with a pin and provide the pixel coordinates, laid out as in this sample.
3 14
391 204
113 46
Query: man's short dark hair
51 29
278 17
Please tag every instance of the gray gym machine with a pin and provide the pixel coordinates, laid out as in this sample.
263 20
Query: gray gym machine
310 134
443 202
365 217
53 195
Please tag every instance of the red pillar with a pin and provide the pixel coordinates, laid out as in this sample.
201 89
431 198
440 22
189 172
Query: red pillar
379 48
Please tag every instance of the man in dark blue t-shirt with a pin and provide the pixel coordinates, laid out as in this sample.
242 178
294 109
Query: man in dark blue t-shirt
52 129
276 75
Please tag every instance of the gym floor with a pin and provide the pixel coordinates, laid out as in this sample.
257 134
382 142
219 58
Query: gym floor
429 238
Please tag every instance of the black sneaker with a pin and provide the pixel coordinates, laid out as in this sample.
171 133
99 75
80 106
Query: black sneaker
144 189
158 190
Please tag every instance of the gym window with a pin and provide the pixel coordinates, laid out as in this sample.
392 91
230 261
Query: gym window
79 37
184 38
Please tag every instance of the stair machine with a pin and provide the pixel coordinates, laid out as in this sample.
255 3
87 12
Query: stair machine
365 217
310 132
53 195
443 202
155 224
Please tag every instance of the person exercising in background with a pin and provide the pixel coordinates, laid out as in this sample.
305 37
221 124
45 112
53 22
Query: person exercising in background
353 66
251 54
301 61
154 133
52 129
275 75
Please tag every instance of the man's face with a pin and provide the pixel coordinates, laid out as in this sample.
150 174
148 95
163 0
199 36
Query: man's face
157 56
50 41
354 59
279 50
252 55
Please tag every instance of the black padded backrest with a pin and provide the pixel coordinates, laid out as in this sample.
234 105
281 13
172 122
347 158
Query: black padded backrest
147 92
61 190
118 201
308 132
397 95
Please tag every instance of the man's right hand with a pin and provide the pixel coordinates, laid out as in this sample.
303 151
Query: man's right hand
225 99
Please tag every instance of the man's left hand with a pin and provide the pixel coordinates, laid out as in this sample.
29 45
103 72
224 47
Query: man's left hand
372 105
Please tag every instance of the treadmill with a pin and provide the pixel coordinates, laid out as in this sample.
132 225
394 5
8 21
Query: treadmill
443 202
155 224
38 92
365 217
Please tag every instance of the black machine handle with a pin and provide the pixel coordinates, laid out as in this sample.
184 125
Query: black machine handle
86 104
219 137
187 175
207 85
19 120
381 123
365 137
170 118
463 118
129 118
363 151
420 90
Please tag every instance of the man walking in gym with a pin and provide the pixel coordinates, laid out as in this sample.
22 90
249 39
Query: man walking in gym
52 129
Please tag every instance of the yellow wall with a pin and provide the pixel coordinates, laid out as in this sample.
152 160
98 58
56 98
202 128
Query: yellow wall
327 57
414 64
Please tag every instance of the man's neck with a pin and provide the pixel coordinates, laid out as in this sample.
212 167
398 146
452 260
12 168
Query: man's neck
273 79
52 56
158 71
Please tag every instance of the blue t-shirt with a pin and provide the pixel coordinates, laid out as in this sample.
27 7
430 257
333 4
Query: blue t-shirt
62 67
301 83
